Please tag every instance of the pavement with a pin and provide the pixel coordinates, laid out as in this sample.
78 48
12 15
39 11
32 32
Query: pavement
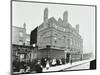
66 66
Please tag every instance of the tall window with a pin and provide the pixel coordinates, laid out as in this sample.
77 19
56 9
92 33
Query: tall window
20 42
21 34
64 40
64 29
69 42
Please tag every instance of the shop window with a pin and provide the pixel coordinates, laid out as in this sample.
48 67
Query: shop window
20 42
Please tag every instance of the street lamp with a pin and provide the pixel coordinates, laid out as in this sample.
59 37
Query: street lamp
35 47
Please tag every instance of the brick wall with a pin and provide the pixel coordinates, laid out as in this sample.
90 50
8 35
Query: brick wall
52 53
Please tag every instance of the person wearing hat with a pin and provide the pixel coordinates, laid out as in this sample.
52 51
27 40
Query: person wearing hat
38 67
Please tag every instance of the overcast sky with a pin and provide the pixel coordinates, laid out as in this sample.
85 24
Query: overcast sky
32 15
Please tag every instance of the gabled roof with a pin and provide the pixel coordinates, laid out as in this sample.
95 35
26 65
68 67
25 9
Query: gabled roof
52 20
17 27
60 21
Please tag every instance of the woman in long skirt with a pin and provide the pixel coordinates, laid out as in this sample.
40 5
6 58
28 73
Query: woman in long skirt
47 65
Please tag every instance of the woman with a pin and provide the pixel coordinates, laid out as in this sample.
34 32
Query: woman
54 62
47 65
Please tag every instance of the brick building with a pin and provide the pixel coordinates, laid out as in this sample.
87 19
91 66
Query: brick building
19 35
21 48
57 38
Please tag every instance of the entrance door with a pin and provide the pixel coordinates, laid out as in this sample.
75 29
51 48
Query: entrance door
22 57
67 57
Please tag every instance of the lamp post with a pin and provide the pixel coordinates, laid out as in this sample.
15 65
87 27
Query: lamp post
36 49
48 49
70 56
65 55
66 51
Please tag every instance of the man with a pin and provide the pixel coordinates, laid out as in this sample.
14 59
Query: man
16 65
43 62
22 66
38 67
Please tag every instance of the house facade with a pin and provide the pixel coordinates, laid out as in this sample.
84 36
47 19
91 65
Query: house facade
57 38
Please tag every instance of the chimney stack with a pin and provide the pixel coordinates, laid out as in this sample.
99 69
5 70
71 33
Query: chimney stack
24 25
77 27
45 16
65 16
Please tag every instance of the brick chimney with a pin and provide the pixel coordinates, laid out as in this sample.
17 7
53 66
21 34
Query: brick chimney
77 27
65 16
45 17
24 25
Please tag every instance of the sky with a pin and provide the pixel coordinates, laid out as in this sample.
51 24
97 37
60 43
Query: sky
32 15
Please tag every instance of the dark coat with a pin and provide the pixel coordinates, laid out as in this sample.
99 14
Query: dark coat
38 68
22 65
